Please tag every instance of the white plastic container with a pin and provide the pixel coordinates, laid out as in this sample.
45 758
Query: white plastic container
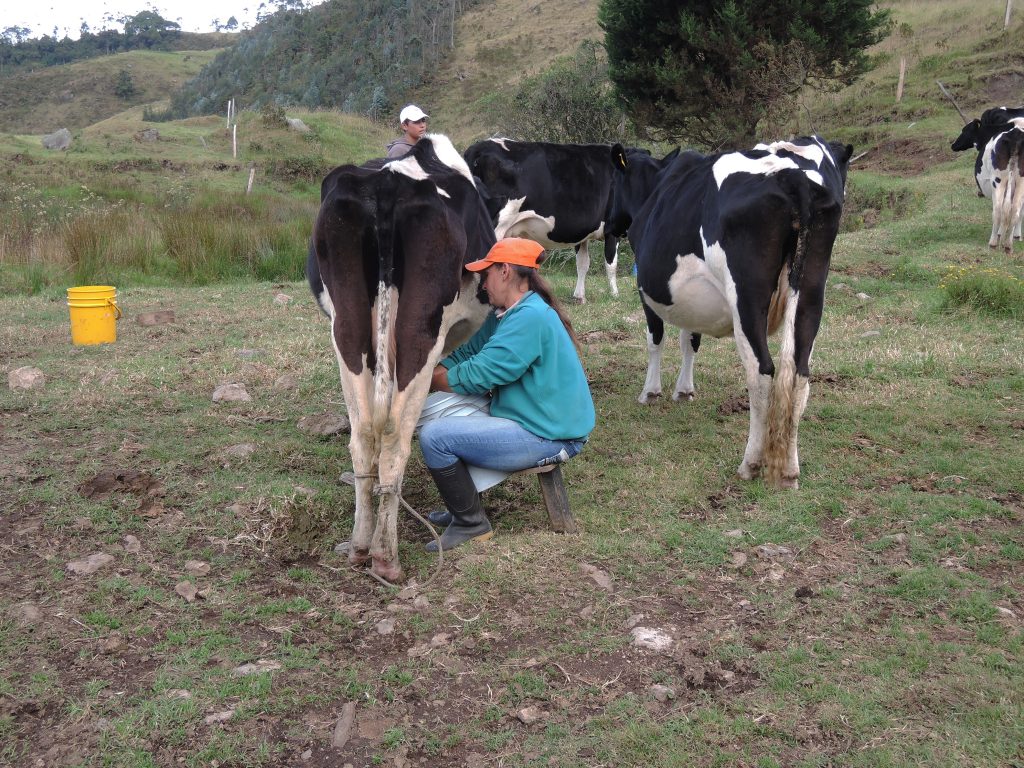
445 405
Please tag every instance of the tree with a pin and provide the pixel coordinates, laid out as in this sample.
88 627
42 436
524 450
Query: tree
231 24
124 86
569 103
710 72
150 28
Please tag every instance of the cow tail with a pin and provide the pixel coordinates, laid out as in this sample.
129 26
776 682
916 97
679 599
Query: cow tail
1015 189
782 397
384 333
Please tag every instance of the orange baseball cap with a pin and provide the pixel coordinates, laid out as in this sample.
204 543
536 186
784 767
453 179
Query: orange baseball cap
511 250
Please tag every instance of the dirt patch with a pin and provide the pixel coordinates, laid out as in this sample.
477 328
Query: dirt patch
906 157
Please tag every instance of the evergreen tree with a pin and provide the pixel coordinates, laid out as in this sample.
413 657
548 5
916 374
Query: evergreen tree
124 86
709 72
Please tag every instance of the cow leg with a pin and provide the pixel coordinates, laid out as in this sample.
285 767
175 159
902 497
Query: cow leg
582 265
751 335
358 393
611 262
655 341
999 202
689 343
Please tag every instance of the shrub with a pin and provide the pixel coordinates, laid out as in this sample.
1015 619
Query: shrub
984 289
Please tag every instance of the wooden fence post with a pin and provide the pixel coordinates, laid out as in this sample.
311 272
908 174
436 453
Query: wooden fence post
252 175
234 140
1009 8
903 73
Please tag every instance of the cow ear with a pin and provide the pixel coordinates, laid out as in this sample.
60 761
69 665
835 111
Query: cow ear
619 157
671 155
849 151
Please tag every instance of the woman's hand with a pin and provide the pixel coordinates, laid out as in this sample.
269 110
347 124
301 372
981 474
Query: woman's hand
439 380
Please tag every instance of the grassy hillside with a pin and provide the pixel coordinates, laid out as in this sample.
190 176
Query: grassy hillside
169 205
77 95
497 44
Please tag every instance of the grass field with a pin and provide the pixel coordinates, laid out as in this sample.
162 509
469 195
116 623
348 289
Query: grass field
169 590
887 633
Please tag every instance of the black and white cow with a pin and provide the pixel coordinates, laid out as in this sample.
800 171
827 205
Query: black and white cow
390 242
555 194
998 135
738 243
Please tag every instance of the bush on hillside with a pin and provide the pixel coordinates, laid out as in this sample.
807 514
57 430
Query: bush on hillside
710 72
569 103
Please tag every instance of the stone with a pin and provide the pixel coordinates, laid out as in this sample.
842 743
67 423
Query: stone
161 317
197 567
863 296
385 626
187 590
240 451
233 392
528 715
297 125
343 728
739 559
736 533
325 424
219 717
132 545
26 614
662 693
282 299
148 135
26 377
651 639
89 565
256 668
59 139
599 577
286 381
773 552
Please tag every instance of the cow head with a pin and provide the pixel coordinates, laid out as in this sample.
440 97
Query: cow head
636 173
969 137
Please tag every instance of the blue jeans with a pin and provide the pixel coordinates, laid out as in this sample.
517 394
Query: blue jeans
491 442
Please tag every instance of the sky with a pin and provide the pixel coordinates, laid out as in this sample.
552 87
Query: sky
67 15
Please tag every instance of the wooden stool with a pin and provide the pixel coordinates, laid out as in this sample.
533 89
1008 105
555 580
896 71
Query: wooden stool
555 498
551 486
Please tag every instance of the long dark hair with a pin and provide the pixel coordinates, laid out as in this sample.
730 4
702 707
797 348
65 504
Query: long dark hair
540 286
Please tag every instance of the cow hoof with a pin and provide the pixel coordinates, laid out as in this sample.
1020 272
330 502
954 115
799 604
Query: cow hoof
648 397
389 570
683 396
749 471
787 483
357 558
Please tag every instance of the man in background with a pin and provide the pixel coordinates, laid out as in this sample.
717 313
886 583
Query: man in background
414 124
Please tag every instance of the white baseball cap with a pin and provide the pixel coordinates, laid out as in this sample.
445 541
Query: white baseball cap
412 113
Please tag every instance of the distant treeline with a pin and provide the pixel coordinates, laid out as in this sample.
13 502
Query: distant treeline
359 56
146 30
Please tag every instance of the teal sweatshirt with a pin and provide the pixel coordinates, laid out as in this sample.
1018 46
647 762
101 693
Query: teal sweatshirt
529 364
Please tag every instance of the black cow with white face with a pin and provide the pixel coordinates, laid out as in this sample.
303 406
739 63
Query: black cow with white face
388 250
738 243
555 194
998 135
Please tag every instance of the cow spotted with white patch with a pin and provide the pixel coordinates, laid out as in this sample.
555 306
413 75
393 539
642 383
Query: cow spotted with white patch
740 244
386 264
554 194
998 135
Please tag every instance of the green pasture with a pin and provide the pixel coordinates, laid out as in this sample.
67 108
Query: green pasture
890 635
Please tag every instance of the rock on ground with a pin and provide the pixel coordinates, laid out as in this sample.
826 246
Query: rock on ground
26 377
60 139
234 392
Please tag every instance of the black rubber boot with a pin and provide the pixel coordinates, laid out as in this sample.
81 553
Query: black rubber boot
440 517
458 491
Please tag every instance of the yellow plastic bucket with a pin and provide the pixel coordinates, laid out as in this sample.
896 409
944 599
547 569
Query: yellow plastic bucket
94 314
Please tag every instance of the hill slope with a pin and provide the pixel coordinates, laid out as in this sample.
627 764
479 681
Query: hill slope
76 95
